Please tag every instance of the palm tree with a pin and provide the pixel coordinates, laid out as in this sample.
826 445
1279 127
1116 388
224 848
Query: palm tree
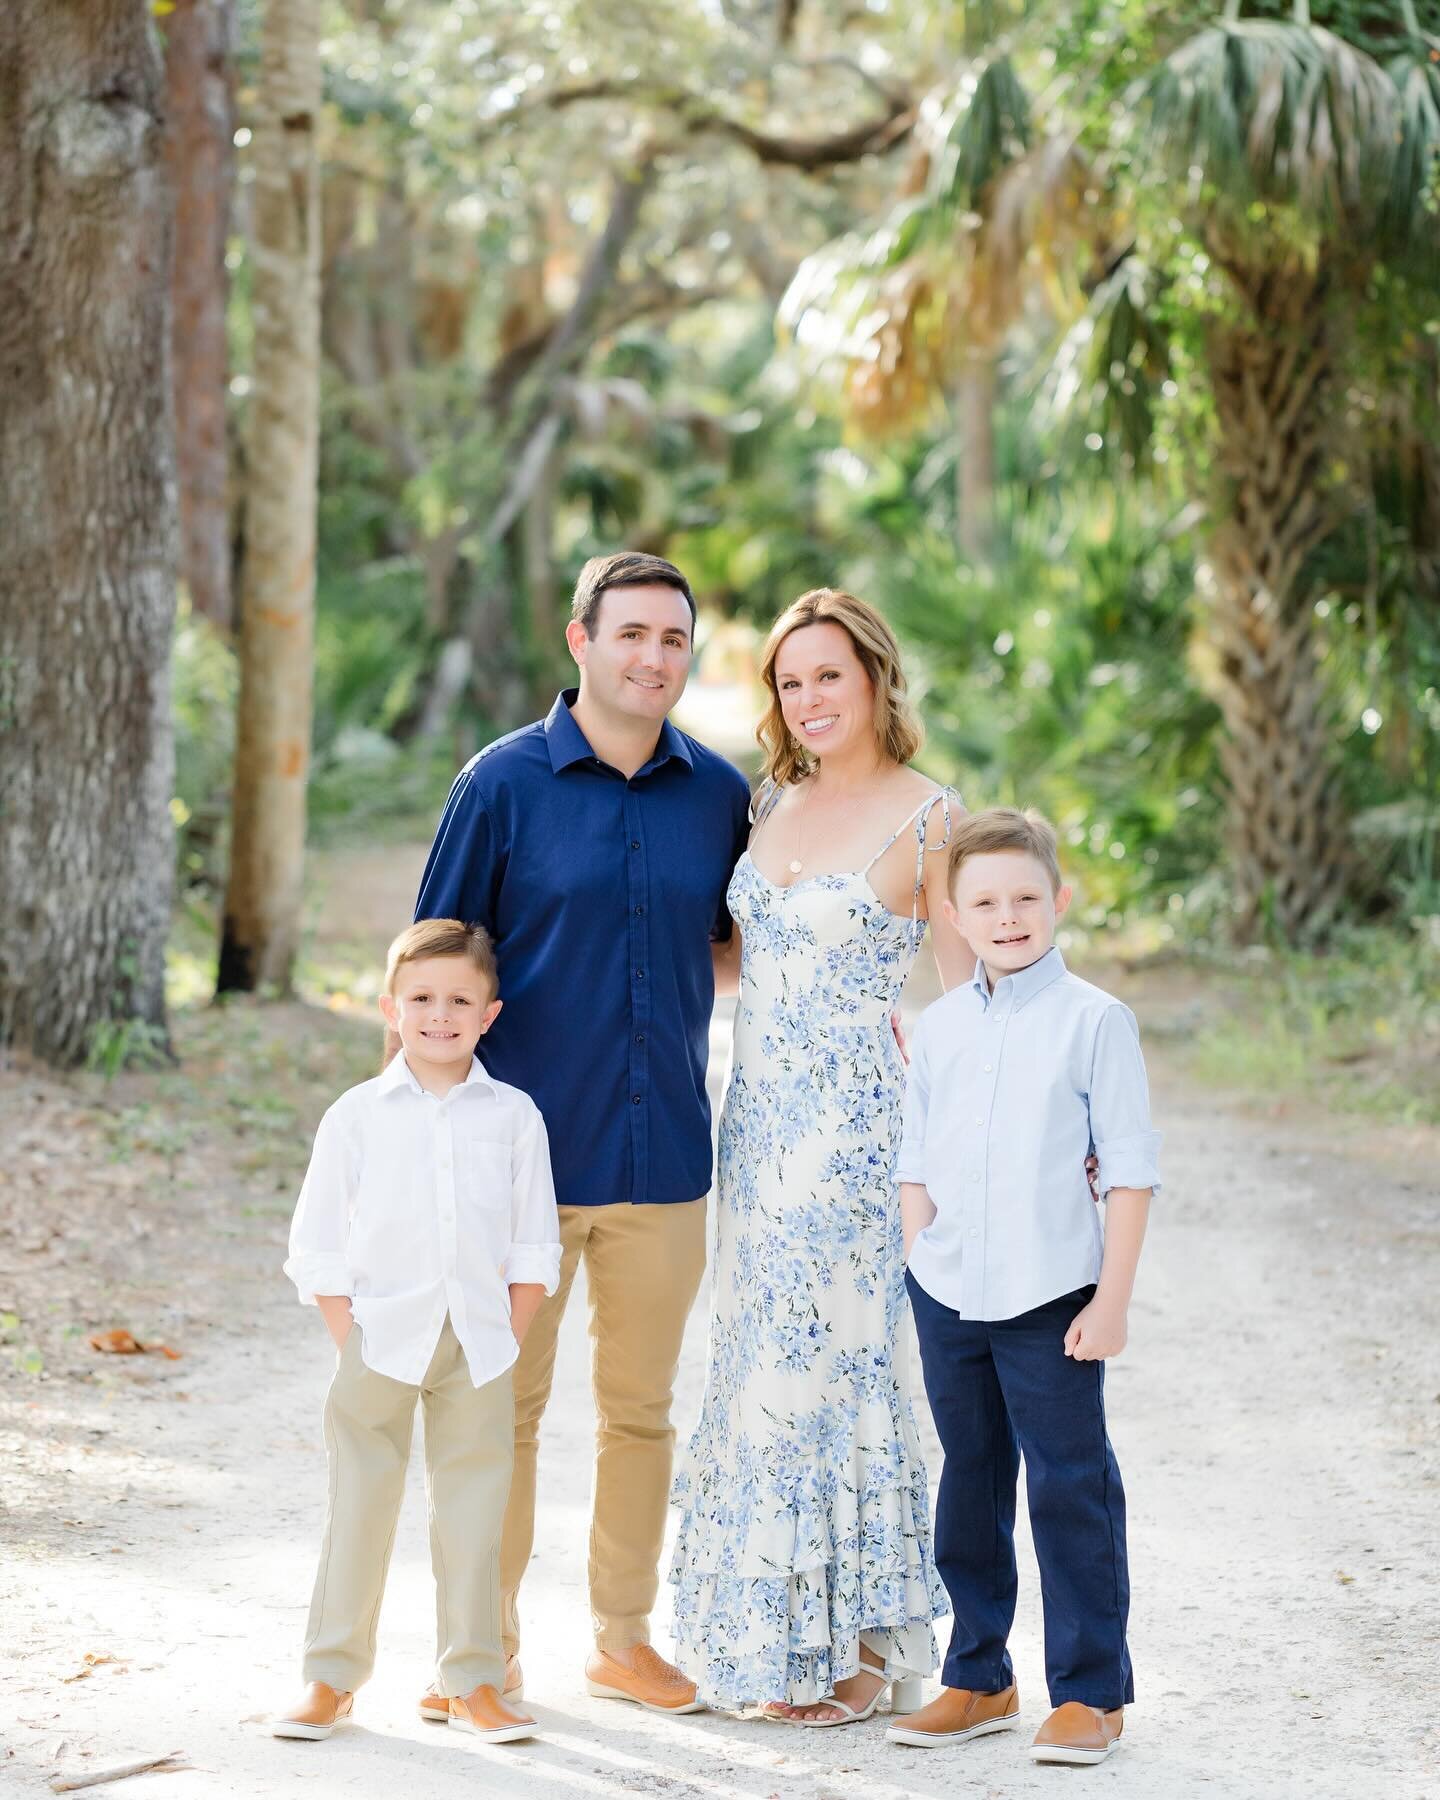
916 314
1299 164
1275 171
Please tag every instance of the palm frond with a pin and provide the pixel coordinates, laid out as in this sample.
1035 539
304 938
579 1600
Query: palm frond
1284 113
984 129
867 313
1408 218
1038 212
1105 379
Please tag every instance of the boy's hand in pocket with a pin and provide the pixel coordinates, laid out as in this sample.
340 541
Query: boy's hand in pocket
339 1320
1096 1331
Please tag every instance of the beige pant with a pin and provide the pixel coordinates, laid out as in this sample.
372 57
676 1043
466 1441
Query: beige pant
469 1439
643 1266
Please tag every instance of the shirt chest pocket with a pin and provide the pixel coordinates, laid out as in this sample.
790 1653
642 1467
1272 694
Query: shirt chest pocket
482 1173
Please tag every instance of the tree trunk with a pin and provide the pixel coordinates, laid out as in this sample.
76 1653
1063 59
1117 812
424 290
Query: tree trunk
87 553
277 596
200 117
973 408
542 591
1271 370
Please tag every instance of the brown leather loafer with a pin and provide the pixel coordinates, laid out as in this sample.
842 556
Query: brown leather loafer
317 1715
653 1682
436 1708
956 1714
484 1714
1076 1733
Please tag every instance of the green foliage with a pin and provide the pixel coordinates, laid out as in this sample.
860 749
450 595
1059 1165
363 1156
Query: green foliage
117 1044
986 129
373 649
1273 112
1120 135
1056 676
1356 1030
203 687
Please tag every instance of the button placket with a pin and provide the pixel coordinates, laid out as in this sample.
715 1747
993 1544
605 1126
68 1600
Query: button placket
638 938
445 1184
977 1108
981 1233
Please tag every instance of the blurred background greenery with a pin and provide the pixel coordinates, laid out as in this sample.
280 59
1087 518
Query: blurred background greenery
1097 343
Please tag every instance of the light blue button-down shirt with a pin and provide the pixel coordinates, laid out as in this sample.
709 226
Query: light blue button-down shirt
1008 1093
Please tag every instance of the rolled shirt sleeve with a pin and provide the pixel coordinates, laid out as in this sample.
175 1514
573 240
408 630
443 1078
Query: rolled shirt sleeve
534 1254
917 1107
320 1230
1127 1148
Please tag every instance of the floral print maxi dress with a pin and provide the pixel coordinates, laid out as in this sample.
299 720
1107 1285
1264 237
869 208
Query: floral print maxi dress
805 1519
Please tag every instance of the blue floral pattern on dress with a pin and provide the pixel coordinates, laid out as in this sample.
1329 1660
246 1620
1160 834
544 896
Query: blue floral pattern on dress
805 1517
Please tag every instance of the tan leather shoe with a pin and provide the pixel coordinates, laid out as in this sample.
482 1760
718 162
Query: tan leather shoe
956 1714
653 1682
436 1708
484 1714
317 1715
1076 1733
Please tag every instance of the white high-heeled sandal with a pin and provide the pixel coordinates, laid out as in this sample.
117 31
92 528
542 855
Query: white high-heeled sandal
906 1695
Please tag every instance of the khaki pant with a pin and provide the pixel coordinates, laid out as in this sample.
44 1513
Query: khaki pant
469 1439
643 1266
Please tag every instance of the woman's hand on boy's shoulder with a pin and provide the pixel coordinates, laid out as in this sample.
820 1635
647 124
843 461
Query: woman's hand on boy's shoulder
1096 1331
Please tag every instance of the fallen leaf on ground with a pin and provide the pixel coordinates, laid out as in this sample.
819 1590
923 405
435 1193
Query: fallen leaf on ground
123 1343
92 1663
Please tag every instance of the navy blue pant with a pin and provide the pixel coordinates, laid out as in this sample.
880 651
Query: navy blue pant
1000 1389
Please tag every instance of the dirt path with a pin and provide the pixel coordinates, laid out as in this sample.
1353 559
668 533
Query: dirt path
1277 1418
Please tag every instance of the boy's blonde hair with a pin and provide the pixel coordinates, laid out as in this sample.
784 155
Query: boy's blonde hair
1004 828
898 731
443 937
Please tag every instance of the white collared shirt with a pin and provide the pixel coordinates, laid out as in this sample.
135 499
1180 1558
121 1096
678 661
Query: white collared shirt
1008 1092
416 1207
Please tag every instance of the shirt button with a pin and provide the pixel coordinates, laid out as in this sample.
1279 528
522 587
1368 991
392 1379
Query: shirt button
639 974
989 1067
634 1099
639 910
974 1177
974 1232
979 1118
634 843
639 1037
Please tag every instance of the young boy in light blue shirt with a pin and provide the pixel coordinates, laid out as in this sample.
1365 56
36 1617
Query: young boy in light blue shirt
1019 1295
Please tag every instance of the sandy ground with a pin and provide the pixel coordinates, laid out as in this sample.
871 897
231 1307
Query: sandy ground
1277 1419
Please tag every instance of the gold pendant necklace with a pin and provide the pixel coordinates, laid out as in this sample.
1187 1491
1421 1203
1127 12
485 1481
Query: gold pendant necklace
797 862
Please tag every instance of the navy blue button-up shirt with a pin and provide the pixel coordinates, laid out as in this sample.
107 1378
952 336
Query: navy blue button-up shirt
602 895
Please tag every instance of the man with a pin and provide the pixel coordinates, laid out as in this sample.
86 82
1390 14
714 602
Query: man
595 847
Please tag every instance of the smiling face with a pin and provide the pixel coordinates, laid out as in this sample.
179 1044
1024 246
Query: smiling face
1002 904
441 1006
826 697
637 662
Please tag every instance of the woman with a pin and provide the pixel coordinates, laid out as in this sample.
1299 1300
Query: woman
803 1572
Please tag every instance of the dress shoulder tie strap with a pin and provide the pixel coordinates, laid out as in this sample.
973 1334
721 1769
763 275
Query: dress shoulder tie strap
917 819
764 800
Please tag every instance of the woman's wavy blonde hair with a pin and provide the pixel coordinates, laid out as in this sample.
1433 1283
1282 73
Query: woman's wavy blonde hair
898 730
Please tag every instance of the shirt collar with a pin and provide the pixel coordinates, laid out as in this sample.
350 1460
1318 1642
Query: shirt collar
569 745
1024 984
398 1075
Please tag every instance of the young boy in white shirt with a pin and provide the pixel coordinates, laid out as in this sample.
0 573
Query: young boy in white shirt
1019 1296
426 1234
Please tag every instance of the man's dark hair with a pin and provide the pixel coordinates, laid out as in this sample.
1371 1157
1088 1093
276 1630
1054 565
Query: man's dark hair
626 568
